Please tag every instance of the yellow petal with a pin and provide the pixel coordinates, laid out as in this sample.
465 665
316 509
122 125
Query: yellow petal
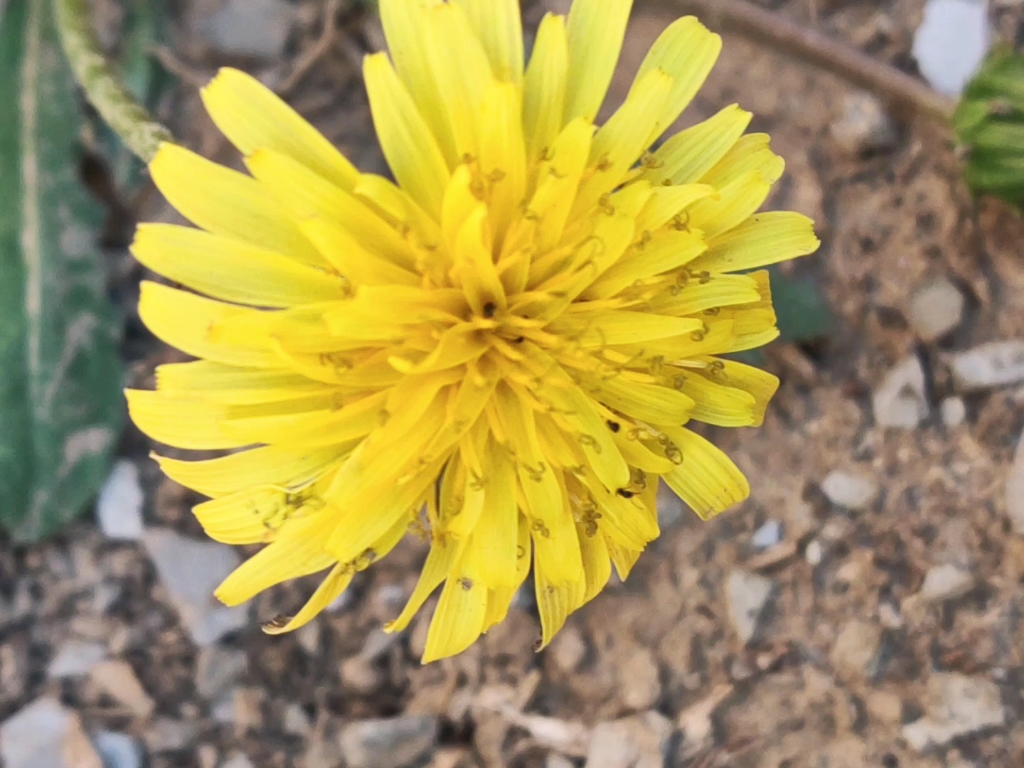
230 269
227 203
314 428
709 293
181 422
650 403
687 156
707 480
330 589
736 202
404 22
760 384
766 238
544 88
751 153
687 52
620 141
337 581
183 320
667 203
308 196
667 250
499 27
230 385
608 328
596 563
410 148
443 555
558 181
270 465
595 31
298 551
716 404
491 553
256 514
458 620
555 602
502 152
623 557
623 520
253 117
347 253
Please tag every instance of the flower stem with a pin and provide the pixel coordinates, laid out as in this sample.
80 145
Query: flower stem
139 130
818 49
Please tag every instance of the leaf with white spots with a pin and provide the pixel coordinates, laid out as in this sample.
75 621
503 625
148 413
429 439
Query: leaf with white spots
60 405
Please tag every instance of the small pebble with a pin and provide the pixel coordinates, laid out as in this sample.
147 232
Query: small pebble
946 582
747 596
75 658
387 743
856 648
848 490
995 364
639 681
768 535
568 649
954 412
1015 490
118 681
641 741
900 400
951 43
957 705
814 553
237 760
118 750
936 309
218 669
864 126
257 28
119 504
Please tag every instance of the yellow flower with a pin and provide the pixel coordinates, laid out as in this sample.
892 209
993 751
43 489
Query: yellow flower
498 353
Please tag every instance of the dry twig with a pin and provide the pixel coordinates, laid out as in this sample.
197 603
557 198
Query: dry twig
899 88
316 51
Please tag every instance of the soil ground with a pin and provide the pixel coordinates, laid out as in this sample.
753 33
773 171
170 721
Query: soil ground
846 653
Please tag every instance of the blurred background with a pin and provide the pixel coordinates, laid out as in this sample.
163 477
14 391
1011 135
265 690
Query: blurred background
863 609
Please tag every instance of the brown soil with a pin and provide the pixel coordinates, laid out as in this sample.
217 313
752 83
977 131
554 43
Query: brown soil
798 695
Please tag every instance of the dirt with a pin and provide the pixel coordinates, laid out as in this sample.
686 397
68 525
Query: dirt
846 654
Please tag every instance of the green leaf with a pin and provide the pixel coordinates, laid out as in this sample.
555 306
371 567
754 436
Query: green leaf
989 124
60 372
801 311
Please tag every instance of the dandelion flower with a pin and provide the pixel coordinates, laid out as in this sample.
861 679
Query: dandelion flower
500 351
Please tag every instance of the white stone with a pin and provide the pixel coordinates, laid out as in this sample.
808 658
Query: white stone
951 43
166 735
954 412
1015 490
296 721
34 736
856 648
118 750
238 760
900 399
641 741
639 681
864 125
257 28
218 669
995 364
936 309
848 490
568 649
387 743
119 504
747 595
957 705
190 571
75 658
768 535
814 553
946 582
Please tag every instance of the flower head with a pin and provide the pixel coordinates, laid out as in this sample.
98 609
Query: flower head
500 351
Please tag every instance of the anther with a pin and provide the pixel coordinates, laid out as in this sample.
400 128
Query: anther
489 309
614 426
